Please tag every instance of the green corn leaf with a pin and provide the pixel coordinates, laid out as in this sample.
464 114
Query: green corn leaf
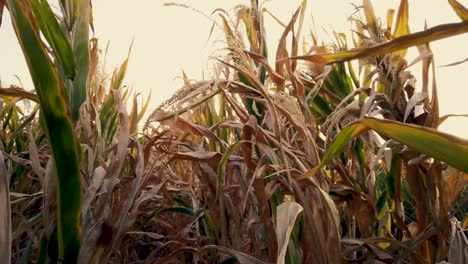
391 178
222 167
25 123
107 112
180 210
211 227
55 36
144 108
441 146
119 75
41 259
80 36
58 127
67 9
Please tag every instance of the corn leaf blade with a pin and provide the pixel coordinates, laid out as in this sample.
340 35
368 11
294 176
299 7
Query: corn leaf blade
2 5
400 43
18 92
55 36
460 10
286 216
402 24
80 47
5 212
444 147
59 130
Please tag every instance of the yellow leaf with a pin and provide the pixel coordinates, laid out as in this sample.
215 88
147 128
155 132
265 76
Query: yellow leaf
462 12
402 27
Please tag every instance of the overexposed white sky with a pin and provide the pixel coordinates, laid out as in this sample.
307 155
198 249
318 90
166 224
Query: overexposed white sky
169 39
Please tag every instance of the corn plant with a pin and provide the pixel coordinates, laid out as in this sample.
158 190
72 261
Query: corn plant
322 157
50 79
290 165
63 154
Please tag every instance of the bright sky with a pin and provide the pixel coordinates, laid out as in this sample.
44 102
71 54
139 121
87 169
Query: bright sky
169 39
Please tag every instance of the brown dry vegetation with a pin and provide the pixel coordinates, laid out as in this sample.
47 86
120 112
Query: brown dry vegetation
315 159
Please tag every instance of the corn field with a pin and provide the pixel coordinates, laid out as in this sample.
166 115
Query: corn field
329 155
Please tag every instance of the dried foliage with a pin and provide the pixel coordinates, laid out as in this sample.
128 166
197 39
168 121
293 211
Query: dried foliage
264 136
315 159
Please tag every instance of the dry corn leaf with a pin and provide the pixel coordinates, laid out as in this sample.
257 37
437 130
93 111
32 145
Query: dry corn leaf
91 251
240 256
390 16
195 129
331 225
148 234
373 248
117 164
370 15
19 92
133 118
5 211
453 183
423 55
445 117
281 52
50 198
198 155
455 63
35 159
462 11
414 100
321 225
275 77
400 43
2 5
301 19
286 215
458 243
426 63
126 219
149 194
249 132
